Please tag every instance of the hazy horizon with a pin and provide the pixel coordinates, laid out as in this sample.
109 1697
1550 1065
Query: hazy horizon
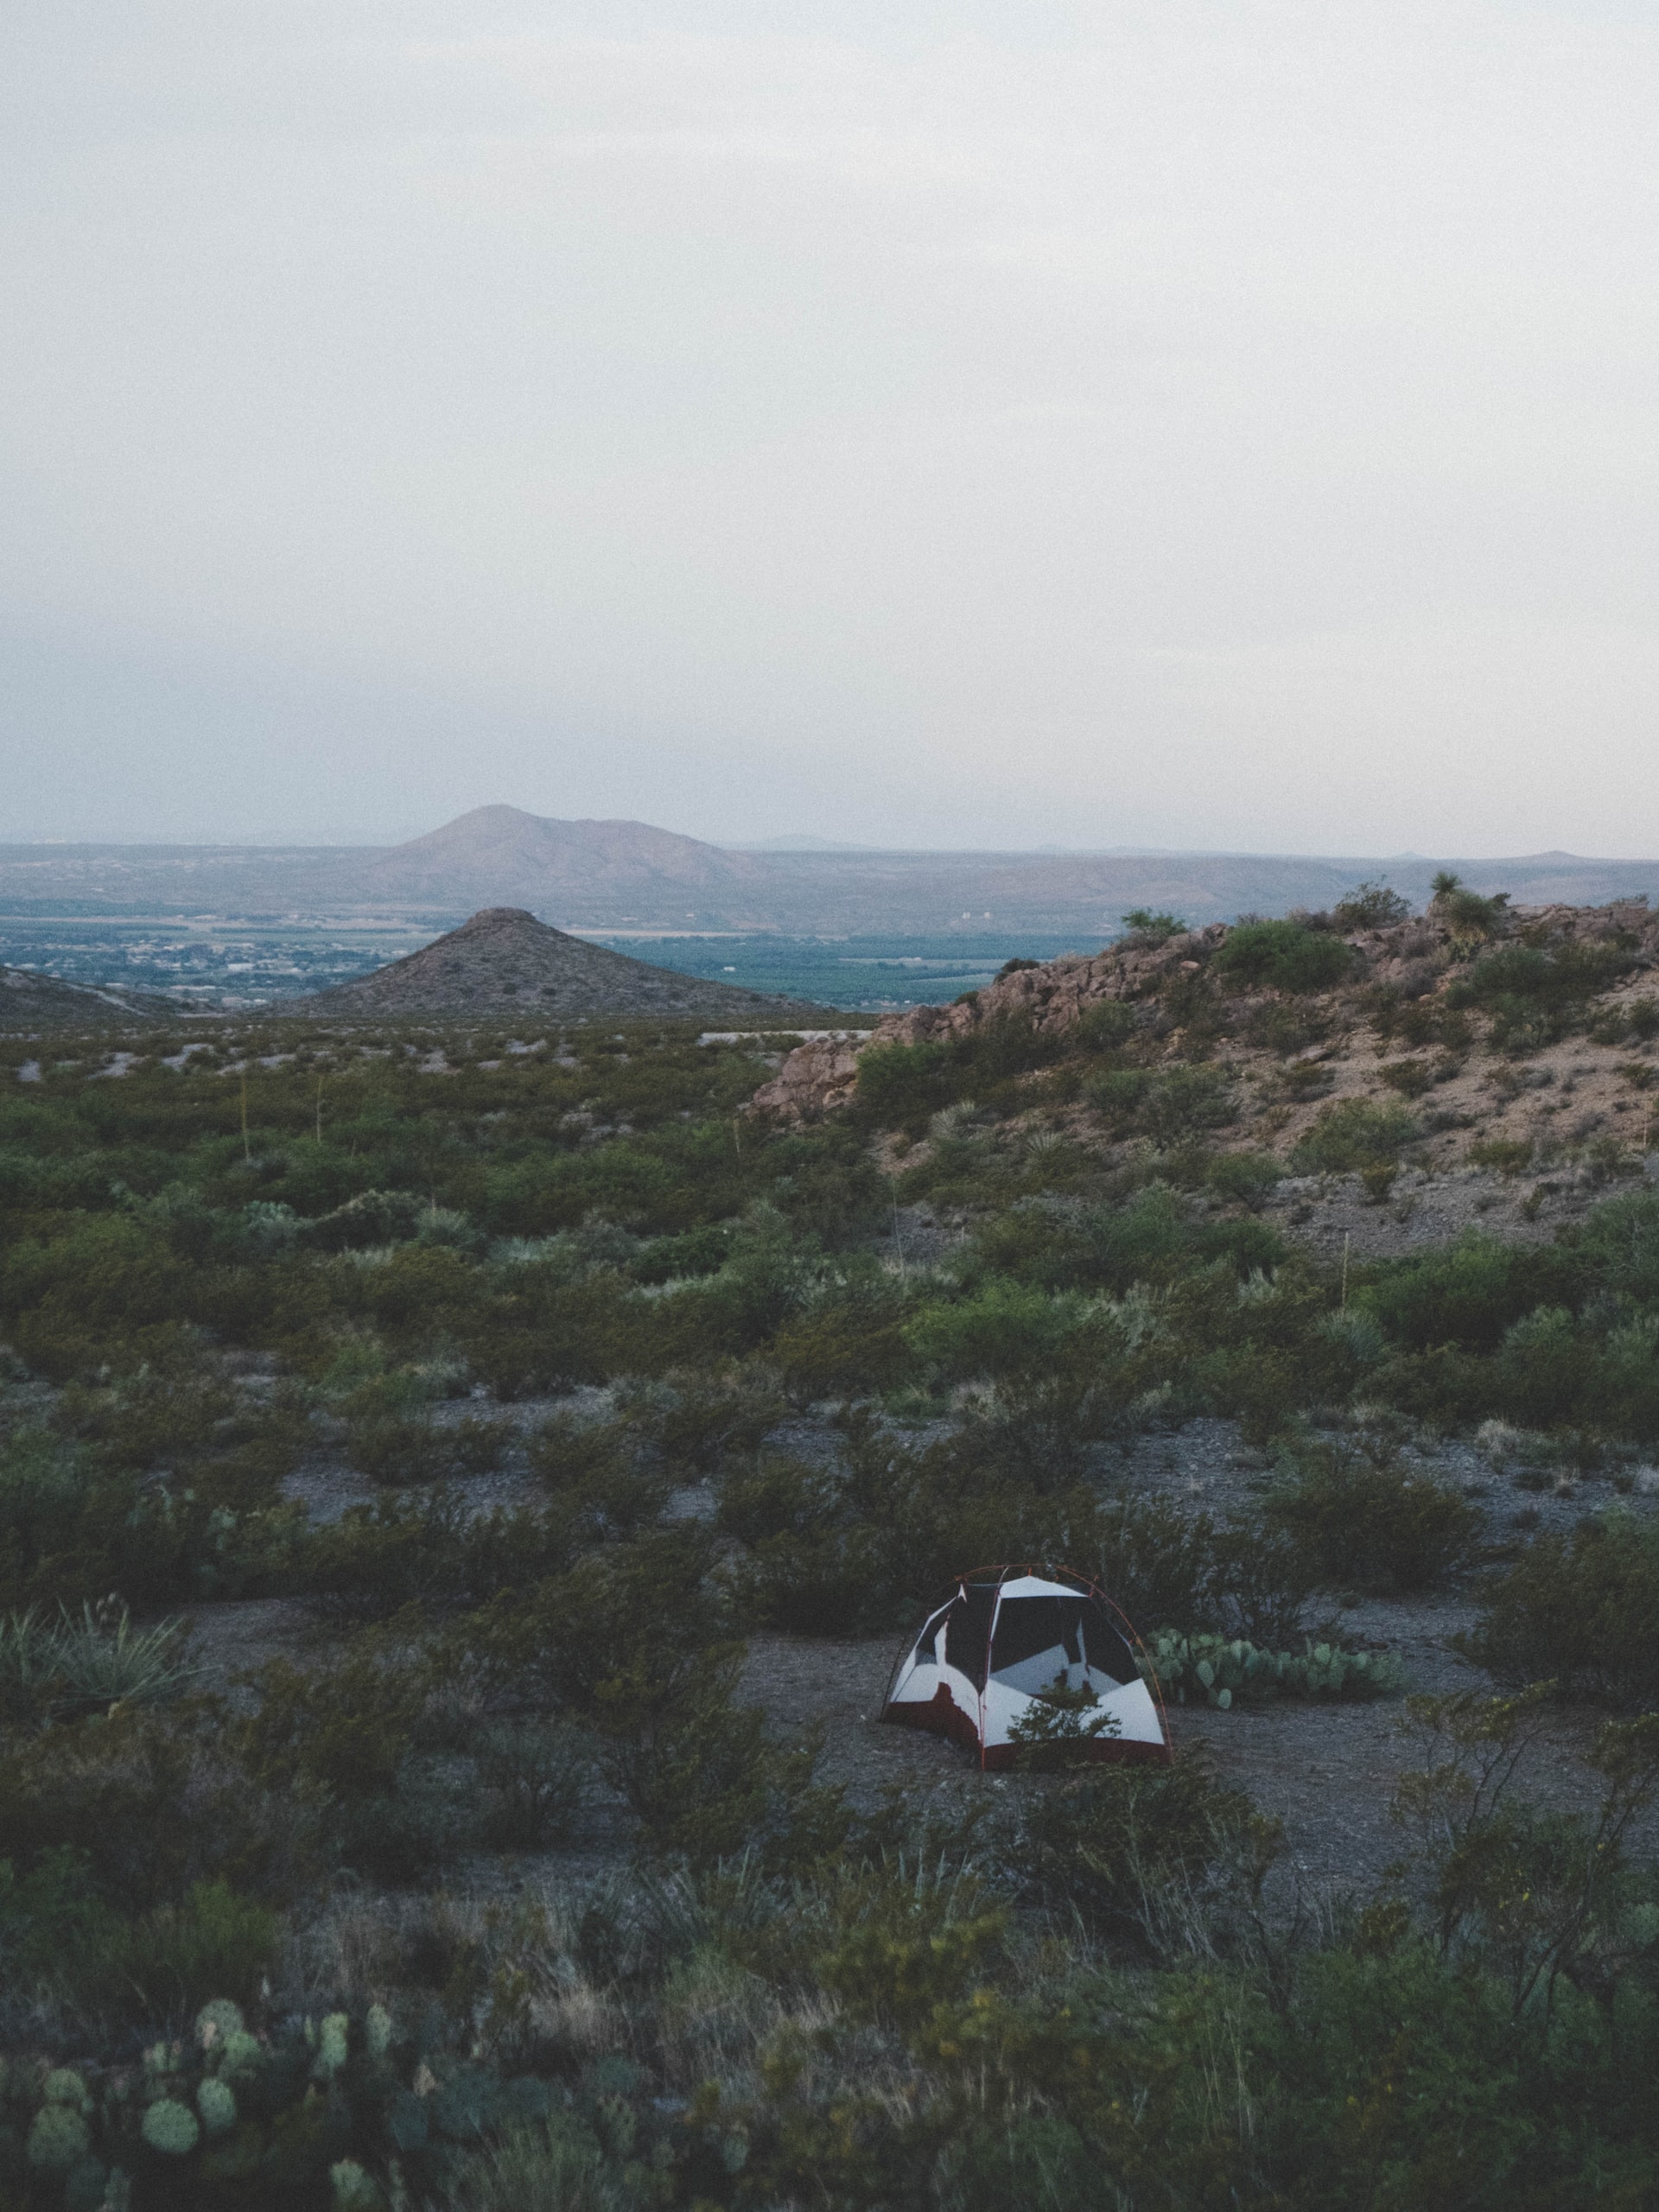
1190 428
785 842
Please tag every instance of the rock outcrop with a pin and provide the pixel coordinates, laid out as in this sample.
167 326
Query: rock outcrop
1413 958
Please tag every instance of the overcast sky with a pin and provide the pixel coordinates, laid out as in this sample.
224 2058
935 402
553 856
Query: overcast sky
1148 422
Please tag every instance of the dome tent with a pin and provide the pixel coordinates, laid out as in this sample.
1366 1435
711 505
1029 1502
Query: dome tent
1004 1636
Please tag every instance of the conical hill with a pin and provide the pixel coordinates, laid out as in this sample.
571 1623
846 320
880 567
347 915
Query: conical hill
504 961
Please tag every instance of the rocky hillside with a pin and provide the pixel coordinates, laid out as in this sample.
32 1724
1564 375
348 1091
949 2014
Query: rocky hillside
30 1002
1512 1050
504 961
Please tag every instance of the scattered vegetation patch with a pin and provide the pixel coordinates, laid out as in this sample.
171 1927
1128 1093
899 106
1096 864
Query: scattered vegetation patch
1576 1609
806 1376
1366 1521
1288 955
1355 1134
1369 906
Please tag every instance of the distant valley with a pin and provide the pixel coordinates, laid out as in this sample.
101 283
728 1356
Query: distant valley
853 928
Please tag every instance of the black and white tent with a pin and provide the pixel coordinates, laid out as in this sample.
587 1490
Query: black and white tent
1005 1637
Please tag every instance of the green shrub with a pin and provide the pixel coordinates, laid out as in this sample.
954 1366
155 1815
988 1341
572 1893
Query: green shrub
812 1568
1243 1178
990 1056
1435 1018
1287 1026
1509 1156
1117 1094
713 1417
1118 1847
402 1448
1169 1107
1186 1101
841 1346
1445 1388
694 1252
1002 1329
1285 955
1141 922
1355 1134
176 1957
1365 1521
900 1085
903 1944
1468 1293
1105 1026
1306 1080
155 1800
539 1775
1411 1079
1369 906
426 1548
1230 1579
1578 1609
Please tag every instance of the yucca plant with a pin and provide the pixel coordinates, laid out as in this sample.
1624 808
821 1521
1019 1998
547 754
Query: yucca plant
82 1662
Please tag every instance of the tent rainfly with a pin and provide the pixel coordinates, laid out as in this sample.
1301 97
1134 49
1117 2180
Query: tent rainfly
1006 1635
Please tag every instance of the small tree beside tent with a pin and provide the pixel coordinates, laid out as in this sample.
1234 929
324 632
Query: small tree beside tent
1011 1641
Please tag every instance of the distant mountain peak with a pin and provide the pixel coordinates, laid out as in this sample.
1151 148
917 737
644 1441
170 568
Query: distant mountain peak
575 869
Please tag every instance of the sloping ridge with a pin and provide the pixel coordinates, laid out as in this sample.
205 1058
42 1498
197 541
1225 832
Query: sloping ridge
31 1001
504 961
1415 961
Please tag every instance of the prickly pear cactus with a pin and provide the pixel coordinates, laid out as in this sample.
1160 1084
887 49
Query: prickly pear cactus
354 2190
1220 1671
171 2127
216 2102
333 2046
241 2056
63 2085
217 2020
59 2138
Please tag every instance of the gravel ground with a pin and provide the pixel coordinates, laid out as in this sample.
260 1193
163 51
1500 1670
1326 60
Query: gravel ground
1326 1772
1425 1209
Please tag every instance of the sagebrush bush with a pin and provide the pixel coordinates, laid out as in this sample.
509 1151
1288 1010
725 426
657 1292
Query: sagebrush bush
1353 1135
1364 1521
1578 1609
1369 906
